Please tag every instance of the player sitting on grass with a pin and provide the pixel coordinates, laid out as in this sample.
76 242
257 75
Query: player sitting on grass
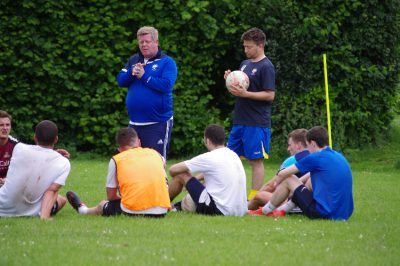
297 149
224 188
139 175
34 177
7 144
331 178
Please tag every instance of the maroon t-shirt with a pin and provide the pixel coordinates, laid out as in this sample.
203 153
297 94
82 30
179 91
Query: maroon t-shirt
5 156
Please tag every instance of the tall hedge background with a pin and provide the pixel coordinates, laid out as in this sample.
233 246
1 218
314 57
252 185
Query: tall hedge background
59 59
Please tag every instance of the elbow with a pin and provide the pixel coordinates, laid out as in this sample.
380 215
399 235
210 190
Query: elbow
120 82
173 170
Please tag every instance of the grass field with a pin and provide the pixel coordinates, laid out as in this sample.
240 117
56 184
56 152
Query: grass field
370 237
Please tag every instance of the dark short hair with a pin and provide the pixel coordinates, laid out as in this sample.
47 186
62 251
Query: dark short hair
46 132
215 133
4 114
319 135
254 34
299 135
126 136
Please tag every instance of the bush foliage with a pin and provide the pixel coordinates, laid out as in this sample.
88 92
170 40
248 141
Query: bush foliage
59 60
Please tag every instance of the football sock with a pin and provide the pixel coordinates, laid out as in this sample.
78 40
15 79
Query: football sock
269 207
287 207
251 195
83 209
178 206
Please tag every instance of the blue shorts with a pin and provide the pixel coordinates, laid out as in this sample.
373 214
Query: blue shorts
250 142
303 198
204 202
156 136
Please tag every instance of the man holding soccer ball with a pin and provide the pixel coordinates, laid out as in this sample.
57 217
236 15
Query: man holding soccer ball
251 131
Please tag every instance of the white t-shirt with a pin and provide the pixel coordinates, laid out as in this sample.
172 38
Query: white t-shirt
224 179
32 170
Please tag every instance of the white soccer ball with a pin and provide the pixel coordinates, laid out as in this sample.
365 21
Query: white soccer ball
237 77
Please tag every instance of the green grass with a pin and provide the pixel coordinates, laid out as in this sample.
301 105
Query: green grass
370 237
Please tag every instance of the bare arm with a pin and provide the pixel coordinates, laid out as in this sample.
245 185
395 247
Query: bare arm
268 187
200 177
267 95
178 169
112 193
48 201
285 173
64 153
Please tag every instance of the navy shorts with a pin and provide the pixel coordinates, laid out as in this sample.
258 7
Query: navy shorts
156 136
303 198
204 202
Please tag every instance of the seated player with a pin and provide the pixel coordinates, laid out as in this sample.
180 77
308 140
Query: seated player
35 175
331 178
138 174
297 149
7 144
224 188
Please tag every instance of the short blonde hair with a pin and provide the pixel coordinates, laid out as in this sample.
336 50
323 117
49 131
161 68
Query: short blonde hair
148 30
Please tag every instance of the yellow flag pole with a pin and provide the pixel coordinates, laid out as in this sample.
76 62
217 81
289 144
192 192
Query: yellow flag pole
328 113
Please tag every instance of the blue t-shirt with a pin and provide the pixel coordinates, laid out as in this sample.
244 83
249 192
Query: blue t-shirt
249 112
332 183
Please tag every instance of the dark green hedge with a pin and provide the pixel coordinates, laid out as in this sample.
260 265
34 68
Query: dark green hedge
59 59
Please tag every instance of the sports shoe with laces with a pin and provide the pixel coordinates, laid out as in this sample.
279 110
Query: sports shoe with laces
257 212
74 200
276 213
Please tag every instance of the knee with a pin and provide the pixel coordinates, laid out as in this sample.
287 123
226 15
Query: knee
182 177
292 183
102 203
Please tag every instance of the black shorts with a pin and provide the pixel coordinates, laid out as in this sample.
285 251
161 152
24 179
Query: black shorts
113 208
303 198
204 202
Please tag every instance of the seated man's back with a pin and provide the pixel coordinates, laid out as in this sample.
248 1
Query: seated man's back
142 180
224 179
32 170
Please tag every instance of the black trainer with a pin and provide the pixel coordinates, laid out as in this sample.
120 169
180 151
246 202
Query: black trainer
74 200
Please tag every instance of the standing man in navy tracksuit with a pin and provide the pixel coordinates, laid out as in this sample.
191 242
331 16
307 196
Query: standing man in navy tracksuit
150 76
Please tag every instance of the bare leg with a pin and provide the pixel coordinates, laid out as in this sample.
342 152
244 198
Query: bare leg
98 209
61 202
176 185
259 200
257 168
284 190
